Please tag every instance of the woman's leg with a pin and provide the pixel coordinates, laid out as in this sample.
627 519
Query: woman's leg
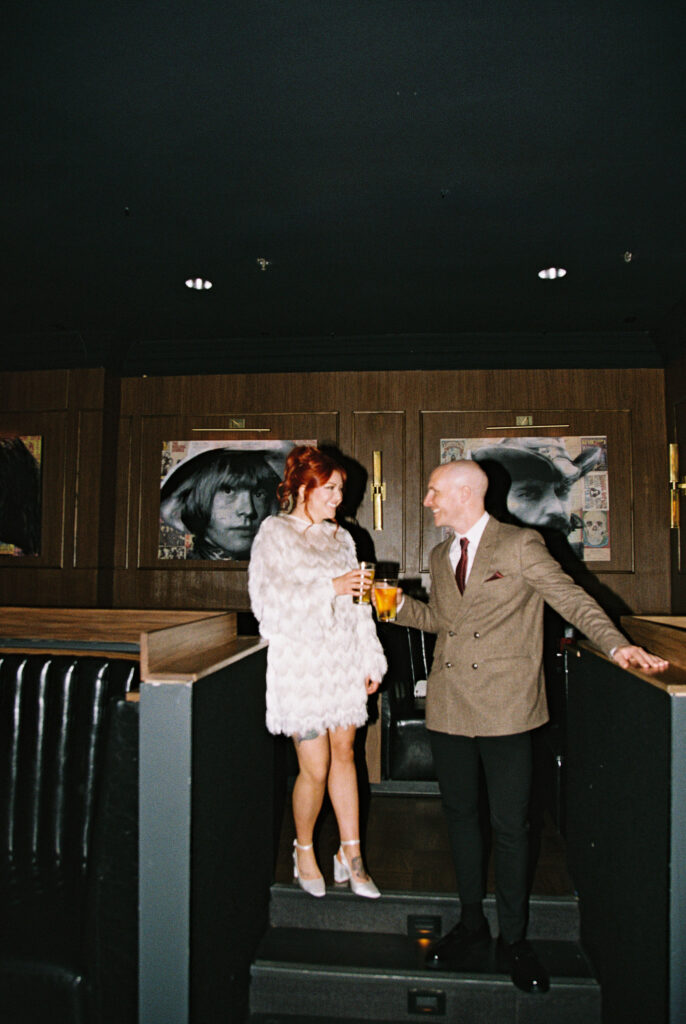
344 796
308 795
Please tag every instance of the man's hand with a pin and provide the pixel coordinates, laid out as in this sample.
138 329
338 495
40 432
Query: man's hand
638 658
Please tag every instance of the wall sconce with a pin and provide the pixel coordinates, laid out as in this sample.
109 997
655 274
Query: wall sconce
674 486
378 492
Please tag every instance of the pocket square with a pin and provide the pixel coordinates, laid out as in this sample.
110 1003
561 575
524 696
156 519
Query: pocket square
495 576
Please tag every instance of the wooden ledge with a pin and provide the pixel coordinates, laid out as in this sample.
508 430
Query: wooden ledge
194 665
672 681
660 634
102 628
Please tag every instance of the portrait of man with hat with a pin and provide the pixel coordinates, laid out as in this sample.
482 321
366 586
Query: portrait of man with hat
542 475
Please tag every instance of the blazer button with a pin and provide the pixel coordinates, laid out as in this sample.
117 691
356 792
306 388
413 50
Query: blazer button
477 635
451 632
448 664
475 665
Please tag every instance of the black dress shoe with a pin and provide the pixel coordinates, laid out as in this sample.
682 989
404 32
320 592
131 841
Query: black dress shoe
453 947
526 970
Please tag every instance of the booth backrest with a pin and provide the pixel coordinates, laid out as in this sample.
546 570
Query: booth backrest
405 748
59 729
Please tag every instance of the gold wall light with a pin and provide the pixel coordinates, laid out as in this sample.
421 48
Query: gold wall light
378 492
675 485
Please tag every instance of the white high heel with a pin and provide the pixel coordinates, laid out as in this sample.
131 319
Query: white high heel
342 872
313 886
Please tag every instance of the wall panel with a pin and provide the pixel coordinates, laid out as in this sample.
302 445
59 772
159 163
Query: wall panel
383 432
676 429
66 408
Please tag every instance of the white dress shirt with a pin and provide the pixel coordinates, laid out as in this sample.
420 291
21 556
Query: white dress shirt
474 536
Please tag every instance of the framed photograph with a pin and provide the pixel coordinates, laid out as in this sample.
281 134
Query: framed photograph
215 494
20 495
560 483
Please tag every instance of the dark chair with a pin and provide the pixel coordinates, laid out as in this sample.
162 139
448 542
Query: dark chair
68 840
405 750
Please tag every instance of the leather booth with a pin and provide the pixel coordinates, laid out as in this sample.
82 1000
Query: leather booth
405 749
68 839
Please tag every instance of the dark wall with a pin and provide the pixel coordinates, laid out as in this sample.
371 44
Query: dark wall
100 506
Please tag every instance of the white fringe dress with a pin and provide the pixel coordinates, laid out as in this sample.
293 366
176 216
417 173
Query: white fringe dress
321 647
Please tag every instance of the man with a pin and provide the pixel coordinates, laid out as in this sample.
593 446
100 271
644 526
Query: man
486 693
220 497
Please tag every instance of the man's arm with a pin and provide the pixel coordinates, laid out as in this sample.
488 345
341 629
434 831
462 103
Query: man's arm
545 575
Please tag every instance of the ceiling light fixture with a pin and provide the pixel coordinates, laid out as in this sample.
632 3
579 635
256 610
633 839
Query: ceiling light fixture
199 284
550 273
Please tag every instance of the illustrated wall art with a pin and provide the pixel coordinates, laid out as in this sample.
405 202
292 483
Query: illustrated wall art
215 494
555 482
20 494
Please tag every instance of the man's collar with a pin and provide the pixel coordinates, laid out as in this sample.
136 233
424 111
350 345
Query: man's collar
475 532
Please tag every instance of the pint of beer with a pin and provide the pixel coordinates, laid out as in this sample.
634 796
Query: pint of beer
386 597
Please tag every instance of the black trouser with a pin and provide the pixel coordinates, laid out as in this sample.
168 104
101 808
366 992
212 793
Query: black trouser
507 767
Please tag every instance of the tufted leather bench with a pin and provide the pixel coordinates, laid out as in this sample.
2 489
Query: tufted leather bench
68 839
405 749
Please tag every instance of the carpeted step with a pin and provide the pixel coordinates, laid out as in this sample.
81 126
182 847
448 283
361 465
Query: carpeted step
422 914
314 973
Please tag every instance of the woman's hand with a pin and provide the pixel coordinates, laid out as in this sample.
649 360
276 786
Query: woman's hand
371 685
350 582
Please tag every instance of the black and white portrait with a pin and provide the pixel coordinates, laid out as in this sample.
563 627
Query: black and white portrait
214 496
549 482
20 495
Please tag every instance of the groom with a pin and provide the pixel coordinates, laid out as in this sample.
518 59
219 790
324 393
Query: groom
486 693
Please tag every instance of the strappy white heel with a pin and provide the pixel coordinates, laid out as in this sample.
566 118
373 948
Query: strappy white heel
342 872
313 886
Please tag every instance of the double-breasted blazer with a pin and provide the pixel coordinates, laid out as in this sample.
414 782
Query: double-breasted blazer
487 673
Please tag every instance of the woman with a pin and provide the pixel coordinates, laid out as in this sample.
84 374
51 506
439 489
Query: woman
324 657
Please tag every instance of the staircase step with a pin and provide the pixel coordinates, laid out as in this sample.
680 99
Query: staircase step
310 973
550 917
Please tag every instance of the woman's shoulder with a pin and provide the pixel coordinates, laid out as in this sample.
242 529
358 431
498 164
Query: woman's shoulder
281 524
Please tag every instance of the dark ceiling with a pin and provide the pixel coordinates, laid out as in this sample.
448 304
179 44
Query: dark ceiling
405 167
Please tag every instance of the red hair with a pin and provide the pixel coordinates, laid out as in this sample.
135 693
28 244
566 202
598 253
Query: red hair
305 466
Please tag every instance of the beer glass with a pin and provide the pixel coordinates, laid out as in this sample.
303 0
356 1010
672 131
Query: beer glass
364 598
386 597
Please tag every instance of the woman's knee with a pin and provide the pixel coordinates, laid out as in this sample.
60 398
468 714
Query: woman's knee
313 760
342 746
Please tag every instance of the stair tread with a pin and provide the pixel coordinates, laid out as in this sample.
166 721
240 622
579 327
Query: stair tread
317 949
550 917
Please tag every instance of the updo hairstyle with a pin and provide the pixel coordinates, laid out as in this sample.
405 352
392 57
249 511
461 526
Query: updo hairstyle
305 465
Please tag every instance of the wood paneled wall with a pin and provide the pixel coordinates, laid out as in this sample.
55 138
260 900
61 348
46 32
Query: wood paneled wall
76 414
402 414
676 431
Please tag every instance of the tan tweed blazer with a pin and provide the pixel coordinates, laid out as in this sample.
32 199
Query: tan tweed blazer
487 675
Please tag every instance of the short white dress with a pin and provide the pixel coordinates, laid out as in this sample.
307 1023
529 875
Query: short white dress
321 647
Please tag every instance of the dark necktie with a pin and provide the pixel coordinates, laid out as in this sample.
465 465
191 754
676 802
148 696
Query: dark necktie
461 567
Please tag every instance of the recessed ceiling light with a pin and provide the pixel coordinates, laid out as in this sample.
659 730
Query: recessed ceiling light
198 284
550 273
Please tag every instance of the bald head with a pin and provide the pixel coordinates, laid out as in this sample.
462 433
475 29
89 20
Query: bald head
456 493
465 473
